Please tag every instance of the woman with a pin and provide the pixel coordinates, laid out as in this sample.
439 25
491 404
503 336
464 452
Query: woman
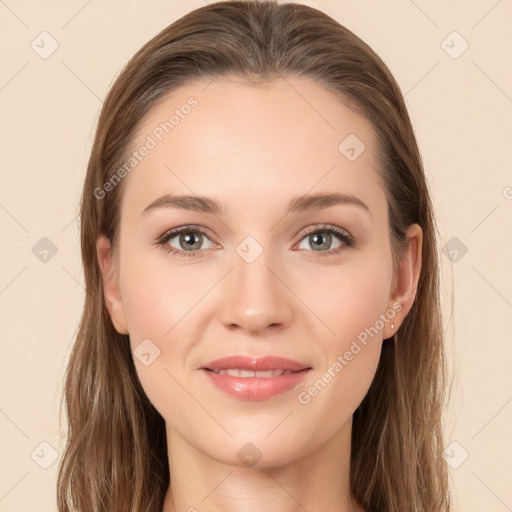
262 328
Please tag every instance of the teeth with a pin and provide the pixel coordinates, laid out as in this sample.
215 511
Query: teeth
251 373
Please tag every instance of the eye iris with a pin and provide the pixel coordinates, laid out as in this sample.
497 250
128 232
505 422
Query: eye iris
186 238
314 238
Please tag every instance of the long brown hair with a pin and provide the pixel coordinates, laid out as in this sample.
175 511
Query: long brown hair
116 454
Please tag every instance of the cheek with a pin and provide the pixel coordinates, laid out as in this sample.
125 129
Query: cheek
351 301
350 297
159 303
158 295
163 303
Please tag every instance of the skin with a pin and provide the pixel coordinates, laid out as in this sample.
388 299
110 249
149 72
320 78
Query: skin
253 149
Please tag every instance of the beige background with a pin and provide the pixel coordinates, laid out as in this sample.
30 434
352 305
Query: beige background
461 109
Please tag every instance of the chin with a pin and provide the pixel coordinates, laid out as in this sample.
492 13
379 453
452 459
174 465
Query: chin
257 451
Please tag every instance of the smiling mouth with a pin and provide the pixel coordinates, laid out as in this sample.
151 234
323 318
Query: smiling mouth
257 385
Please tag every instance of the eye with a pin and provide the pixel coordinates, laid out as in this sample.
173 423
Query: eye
189 241
321 237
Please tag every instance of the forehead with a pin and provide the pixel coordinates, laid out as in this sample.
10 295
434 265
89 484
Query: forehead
244 144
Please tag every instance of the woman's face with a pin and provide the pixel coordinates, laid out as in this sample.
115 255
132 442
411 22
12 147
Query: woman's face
255 273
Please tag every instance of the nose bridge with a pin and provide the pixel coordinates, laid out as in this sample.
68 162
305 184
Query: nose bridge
254 297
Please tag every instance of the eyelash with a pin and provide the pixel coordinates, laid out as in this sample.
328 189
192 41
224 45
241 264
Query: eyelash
348 240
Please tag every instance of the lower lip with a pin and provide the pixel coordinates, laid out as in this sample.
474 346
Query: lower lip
256 388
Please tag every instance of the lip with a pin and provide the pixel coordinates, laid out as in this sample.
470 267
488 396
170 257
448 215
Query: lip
255 364
255 388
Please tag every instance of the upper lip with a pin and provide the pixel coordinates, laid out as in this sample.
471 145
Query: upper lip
255 364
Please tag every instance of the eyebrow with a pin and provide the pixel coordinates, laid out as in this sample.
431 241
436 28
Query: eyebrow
300 204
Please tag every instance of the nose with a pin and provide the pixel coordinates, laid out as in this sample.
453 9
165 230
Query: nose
255 297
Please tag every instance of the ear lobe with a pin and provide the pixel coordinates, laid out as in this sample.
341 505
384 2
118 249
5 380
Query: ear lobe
406 280
111 289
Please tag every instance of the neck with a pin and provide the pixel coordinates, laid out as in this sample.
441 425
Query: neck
317 481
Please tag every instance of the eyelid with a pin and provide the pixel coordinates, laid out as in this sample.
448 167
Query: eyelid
320 227
186 227
306 231
347 239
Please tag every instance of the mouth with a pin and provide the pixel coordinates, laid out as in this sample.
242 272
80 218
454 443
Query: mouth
250 378
246 366
238 372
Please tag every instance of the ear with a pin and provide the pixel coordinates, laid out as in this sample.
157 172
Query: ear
111 289
405 281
